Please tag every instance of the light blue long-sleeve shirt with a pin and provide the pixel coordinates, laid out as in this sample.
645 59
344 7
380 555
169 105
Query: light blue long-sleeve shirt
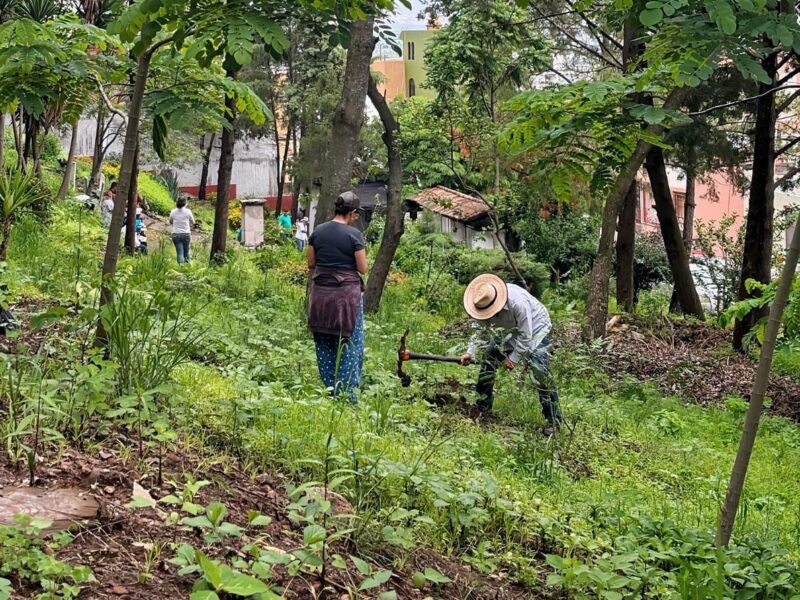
523 322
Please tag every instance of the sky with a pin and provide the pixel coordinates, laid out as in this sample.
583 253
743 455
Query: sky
406 18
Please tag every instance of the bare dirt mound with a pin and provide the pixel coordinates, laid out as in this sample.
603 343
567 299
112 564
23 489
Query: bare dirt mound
689 359
129 550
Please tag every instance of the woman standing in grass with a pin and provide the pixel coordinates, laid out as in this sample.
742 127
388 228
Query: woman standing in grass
336 259
182 220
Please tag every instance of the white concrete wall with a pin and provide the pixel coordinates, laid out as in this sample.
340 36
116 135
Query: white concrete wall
254 164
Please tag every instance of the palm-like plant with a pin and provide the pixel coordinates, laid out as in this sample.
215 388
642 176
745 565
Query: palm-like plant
18 190
37 10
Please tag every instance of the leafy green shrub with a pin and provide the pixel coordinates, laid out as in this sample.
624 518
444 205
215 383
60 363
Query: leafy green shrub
661 560
565 242
24 555
469 263
650 264
51 149
158 197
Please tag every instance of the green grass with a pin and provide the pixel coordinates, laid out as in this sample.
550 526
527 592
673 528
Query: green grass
486 492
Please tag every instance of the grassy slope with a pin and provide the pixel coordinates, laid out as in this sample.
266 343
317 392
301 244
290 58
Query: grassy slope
486 490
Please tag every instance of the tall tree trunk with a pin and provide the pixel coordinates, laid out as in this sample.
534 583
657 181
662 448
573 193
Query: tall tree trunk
219 238
596 310
632 48
201 191
130 218
688 300
393 229
625 246
69 168
758 232
760 382
347 119
126 170
36 146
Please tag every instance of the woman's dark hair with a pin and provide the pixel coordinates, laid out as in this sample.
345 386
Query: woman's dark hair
346 203
181 202
113 186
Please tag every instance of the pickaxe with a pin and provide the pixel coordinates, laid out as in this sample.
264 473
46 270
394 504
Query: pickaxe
404 354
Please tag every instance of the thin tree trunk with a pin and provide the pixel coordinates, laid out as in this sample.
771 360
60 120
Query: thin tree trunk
201 191
282 174
126 170
761 209
625 245
219 238
69 168
2 141
97 152
688 207
130 218
760 382
295 181
6 238
393 229
16 127
36 145
596 310
688 300
347 120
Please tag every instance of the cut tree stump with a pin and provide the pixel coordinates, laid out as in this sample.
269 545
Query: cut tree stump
63 507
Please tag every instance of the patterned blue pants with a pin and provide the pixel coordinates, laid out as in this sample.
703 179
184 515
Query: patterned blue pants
340 360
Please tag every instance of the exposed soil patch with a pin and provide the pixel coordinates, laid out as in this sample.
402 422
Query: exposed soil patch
22 336
692 360
129 549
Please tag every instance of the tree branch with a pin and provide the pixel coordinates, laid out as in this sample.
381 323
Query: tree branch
743 100
787 146
786 103
786 177
109 105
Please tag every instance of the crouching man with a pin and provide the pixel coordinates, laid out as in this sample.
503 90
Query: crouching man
512 327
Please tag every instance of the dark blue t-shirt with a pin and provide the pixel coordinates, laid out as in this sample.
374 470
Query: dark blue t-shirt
335 245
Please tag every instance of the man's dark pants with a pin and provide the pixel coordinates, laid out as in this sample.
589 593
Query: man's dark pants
539 363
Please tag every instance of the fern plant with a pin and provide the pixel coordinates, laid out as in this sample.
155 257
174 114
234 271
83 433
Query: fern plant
18 190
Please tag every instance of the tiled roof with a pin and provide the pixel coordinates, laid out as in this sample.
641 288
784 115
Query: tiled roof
451 203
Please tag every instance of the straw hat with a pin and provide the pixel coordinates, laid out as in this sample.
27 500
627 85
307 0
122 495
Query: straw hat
485 296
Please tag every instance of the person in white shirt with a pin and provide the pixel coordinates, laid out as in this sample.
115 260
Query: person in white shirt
182 221
513 327
301 235
107 205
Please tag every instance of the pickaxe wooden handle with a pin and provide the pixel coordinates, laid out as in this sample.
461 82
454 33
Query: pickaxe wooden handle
407 355
404 355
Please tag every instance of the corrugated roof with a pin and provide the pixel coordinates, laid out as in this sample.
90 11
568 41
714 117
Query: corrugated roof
451 203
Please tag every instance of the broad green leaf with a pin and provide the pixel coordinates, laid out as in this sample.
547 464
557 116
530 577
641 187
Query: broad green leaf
211 570
435 576
375 580
362 565
313 534
651 16
204 595
234 582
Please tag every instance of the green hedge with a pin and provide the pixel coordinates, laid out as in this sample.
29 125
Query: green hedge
156 194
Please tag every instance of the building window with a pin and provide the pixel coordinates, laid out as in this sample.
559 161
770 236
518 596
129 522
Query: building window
411 51
408 50
412 88
679 201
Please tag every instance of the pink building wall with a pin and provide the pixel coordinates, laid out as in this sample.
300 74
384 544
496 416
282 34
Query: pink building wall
714 200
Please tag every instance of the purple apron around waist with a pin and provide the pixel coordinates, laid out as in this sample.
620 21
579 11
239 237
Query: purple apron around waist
334 301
